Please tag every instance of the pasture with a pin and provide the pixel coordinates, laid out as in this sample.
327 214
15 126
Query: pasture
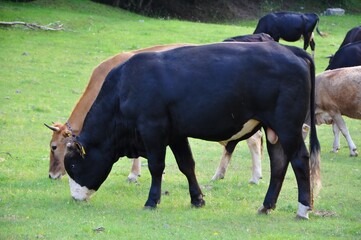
43 73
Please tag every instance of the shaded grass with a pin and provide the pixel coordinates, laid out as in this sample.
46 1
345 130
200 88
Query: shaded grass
44 73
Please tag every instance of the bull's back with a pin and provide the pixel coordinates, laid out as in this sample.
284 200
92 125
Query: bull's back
226 83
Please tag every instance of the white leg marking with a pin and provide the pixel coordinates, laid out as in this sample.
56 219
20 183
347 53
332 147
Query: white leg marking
302 211
78 192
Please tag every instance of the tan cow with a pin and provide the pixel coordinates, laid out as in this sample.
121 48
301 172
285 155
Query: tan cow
338 92
75 123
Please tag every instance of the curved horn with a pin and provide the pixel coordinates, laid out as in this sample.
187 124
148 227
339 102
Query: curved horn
55 129
330 56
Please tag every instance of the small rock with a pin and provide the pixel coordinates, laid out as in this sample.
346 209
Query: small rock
334 11
99 229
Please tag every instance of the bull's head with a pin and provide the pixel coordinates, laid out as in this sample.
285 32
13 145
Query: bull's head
57 150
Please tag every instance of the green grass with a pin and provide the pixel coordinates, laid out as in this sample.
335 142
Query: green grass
44 73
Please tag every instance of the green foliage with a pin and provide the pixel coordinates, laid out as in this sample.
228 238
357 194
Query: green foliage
44 73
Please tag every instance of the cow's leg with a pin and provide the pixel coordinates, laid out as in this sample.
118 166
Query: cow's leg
336 140
225 160
135 171
312 44
342 126
279 164
223 165
255 147
301 168
183 155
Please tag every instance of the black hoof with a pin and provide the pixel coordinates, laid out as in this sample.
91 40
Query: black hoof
149 208
199 203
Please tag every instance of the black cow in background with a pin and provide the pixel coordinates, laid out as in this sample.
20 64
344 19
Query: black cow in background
347 56
353 35
259 37
290 27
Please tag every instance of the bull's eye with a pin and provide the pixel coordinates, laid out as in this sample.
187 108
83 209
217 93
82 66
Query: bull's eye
72 166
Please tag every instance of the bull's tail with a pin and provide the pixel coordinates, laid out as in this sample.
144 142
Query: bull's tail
315 159
318 31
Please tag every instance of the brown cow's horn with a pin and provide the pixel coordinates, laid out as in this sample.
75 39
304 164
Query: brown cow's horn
55 129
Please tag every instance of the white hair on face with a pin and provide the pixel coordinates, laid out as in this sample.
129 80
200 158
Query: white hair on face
78 192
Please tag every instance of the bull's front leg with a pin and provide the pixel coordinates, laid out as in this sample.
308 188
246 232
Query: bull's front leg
156 165
155 146
183 155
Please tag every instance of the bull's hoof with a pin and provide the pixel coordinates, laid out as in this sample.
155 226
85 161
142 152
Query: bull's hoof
149 208
199 203
264 211
151 204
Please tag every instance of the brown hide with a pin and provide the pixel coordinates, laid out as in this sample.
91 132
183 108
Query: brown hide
339 91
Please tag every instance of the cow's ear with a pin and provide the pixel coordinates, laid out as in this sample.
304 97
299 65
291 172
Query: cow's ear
66 133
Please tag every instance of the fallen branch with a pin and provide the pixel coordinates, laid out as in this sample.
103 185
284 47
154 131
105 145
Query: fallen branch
34 25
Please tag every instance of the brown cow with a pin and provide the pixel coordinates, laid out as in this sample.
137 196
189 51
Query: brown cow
338 92
75 123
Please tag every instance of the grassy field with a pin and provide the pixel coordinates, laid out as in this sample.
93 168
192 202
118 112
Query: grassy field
43 74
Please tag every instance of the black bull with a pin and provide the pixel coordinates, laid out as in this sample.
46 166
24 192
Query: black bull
290 26
219 92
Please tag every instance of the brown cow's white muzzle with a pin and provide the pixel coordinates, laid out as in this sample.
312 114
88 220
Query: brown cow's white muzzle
78 192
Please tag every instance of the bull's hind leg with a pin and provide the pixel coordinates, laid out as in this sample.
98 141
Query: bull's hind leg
279 164
301 168
186 164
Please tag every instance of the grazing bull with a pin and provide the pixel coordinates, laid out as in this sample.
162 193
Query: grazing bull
290 26
353 35
75 122
221 92
347 56
338 92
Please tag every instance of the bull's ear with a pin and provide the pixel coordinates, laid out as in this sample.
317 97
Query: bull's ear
53 128
80 148
76 146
